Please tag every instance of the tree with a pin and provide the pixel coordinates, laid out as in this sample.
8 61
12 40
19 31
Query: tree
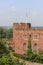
3 48
9 33
1 32
29 50
6 33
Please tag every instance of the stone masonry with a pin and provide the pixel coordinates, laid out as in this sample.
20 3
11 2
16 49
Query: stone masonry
22 33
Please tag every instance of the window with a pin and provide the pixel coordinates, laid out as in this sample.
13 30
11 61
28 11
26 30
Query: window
35 37
35 47
24 47
25 36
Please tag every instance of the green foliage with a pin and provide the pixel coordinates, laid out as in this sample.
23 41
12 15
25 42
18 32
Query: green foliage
3 48
9 33
2 32
20 56
6 33
35 58
29 50
7 60
17 62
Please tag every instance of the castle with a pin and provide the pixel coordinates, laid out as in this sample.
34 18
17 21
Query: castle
22 33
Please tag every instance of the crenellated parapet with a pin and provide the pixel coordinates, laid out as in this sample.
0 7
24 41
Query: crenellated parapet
21 26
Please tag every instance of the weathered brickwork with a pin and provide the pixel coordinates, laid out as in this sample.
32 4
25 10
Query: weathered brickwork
22 33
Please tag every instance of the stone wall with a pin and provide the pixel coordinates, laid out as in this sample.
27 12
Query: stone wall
22 33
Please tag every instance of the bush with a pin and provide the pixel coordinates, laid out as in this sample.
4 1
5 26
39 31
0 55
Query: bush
20 56
35 58
3 48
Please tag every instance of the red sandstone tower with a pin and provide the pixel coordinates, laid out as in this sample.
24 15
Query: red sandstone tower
22 33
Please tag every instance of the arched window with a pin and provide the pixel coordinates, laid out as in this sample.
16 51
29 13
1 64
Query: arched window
24 46
35 47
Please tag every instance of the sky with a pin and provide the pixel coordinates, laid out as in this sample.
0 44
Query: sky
12 11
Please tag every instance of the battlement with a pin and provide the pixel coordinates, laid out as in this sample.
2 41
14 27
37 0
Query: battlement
22 25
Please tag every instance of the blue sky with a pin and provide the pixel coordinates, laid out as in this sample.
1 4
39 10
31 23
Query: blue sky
15 11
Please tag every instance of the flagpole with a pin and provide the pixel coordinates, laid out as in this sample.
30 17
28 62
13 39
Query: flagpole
26 17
